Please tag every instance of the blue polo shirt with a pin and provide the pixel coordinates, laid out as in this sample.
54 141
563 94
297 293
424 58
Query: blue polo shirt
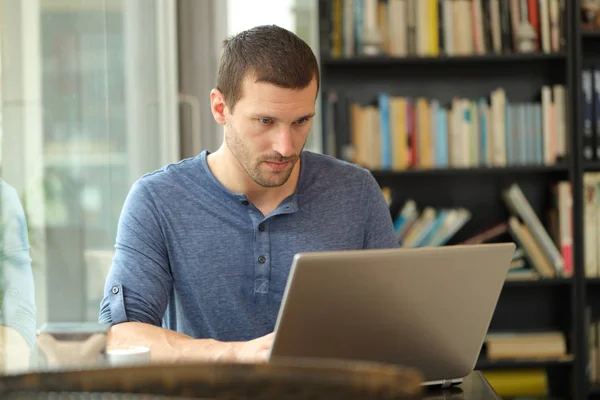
193 257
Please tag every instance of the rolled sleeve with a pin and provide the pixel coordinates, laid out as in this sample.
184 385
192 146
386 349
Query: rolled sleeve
139 282
116 305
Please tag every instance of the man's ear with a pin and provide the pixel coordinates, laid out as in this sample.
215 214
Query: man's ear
218 106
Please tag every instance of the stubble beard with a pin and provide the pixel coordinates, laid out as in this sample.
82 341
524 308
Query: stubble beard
269 179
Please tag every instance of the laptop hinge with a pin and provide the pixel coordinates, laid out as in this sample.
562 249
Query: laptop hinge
446 383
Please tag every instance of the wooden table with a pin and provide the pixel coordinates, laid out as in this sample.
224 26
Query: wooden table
474 387
208 380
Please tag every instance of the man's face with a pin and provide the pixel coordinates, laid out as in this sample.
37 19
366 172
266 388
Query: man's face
268 129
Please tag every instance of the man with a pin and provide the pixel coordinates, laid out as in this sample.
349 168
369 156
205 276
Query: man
18 311
204 247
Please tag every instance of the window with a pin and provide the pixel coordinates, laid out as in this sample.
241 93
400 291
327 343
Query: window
89 104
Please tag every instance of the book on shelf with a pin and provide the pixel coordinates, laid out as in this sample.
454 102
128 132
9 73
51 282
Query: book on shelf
518 268
590 15
541 252
593 327
401 133
548 252
591 224
519 383
543 345
590 83
514 348
488 234
521 266
430 28
561 222
428 227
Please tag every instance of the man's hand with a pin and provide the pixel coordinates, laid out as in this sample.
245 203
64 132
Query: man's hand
14 351
253 351
167 346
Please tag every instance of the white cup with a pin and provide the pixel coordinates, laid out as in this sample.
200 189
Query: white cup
127 355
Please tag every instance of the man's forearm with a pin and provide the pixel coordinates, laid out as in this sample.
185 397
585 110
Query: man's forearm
169 346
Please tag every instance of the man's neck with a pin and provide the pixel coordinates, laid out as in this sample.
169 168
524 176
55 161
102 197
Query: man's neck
234 178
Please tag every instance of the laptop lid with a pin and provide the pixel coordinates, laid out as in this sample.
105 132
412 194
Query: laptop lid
428 308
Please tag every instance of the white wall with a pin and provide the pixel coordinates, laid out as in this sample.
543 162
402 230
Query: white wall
245 14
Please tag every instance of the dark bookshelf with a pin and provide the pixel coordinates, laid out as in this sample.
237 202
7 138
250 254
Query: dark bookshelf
590 33
541 282
525 305
595 389
593 297
592 166
443 60
509 170
534 306
486 365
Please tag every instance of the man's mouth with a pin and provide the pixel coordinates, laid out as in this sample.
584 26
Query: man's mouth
278 165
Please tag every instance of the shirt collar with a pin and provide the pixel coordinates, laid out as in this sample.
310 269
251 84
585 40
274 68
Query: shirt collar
288 205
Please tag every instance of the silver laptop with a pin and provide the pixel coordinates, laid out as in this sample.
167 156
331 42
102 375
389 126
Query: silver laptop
428 308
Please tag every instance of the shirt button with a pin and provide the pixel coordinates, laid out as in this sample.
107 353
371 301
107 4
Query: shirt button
262 259
246 202
261 228
115 290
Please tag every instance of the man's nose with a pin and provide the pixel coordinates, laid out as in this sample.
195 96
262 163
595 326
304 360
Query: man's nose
283 143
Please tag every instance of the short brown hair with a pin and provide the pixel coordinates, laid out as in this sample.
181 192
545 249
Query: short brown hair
272 54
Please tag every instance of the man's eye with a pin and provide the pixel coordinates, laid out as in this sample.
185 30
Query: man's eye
301 121
265 121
